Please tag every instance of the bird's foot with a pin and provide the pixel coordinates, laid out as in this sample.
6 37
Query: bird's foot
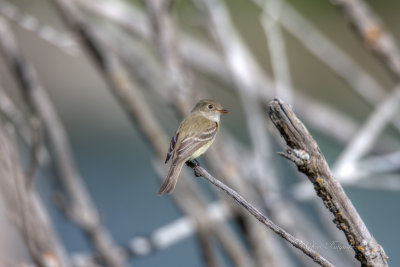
193 164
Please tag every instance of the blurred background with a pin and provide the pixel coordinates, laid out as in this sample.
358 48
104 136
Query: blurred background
120 86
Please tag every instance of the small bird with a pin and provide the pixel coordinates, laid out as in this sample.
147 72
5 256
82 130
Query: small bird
192 139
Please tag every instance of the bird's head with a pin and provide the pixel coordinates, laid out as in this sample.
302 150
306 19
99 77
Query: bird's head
210 108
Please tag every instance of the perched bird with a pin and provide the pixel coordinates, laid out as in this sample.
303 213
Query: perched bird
194 136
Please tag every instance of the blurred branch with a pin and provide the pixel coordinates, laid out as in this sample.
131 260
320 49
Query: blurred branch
45 32
9 110
201 172
320 46
381 163
80 208
25 210
363 141
27 134
167 235
164 35
305 153
271 13
366 24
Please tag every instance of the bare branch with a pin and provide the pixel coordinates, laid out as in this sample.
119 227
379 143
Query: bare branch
201 172
305 153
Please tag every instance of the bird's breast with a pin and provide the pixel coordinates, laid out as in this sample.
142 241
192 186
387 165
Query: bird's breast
201 150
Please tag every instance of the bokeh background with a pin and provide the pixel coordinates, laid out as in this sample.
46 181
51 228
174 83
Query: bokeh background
117 164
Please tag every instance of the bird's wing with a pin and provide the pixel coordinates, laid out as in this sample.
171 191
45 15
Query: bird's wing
191 143
172 146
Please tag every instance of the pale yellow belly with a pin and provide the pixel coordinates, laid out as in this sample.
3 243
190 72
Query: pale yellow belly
201 150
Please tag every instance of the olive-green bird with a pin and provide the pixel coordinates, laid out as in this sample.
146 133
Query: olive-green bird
194 136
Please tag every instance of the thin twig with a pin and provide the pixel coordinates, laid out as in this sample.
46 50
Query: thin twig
315 256
305 153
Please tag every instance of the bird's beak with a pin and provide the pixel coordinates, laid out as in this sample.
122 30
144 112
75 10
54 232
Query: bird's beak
223 111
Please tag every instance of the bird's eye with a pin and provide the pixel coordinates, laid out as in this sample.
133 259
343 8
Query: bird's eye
210 106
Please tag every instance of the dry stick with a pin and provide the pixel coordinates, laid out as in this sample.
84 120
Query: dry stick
315 256
81 210
305 153
345 167
367 26
25 210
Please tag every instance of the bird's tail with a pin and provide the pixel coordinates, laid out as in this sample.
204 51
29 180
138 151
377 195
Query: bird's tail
172 178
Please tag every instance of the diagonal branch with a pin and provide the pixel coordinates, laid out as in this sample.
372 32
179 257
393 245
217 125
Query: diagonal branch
25 209
364 140
367 26
81 210
315 256
305 153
